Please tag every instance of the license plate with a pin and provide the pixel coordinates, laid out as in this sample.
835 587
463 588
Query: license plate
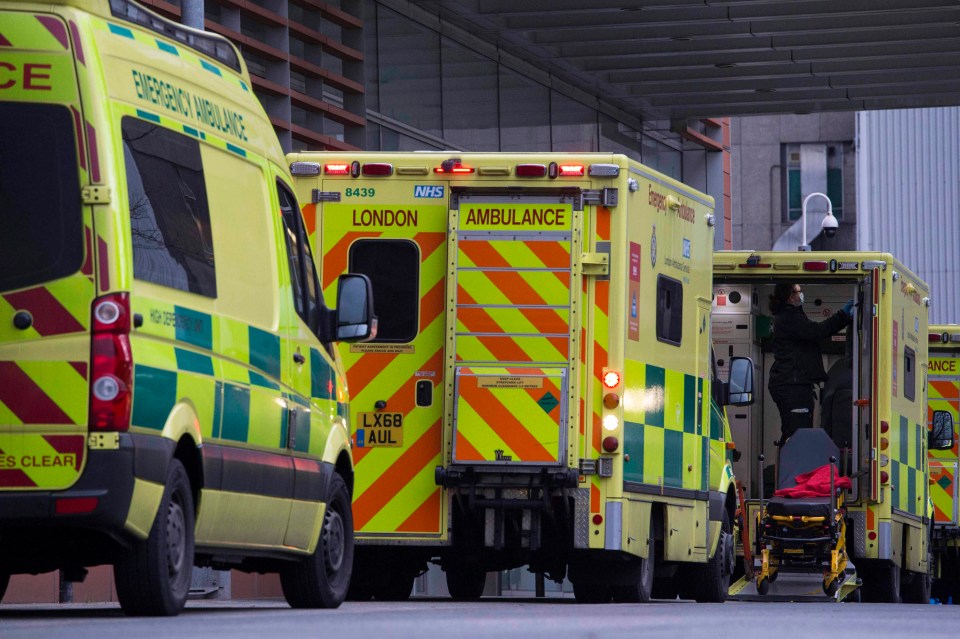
379 430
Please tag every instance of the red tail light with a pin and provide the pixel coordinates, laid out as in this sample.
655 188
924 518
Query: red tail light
111 364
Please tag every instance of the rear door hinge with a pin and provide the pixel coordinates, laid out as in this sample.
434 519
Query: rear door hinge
608 196
93 194
595 263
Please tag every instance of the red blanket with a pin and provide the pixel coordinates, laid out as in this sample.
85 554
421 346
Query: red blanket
815 483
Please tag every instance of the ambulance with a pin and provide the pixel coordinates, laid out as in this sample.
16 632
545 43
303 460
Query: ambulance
542 390
943 401
170 393
872 405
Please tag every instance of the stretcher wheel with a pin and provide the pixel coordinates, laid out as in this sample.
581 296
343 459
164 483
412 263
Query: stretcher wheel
830 589
763 585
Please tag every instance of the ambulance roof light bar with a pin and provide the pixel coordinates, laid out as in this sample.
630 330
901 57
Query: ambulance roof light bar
305 168
344 168
453 165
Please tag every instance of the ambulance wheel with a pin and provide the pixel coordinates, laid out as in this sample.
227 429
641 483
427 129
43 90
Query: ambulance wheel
591 593
641 590
881 582
714 582
763 585
396 586
917 586
465 581
322 579
153 577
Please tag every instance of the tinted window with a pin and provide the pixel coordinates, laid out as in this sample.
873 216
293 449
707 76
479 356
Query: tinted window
40 210
303 276
169 215
393 267
909 373
669 310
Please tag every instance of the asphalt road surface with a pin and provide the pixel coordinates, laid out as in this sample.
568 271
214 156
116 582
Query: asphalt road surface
488 618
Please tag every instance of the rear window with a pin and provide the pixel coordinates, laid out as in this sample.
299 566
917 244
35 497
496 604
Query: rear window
393 267
40 209
169 214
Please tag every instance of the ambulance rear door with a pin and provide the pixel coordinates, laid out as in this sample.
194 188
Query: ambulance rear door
513 292
394 231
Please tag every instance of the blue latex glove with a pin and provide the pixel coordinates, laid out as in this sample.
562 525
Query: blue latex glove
848 308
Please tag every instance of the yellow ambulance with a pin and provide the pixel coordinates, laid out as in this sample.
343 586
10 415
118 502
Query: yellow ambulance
170 394
872 405
542 392
943 403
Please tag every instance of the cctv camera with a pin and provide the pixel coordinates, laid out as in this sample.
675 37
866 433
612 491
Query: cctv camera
829 226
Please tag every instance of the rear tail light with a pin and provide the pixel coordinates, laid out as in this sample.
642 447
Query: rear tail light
377 169
816 265
574 170
531 170
111 364
610 444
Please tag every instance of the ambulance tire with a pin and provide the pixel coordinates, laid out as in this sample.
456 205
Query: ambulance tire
591 593
714 576
395 585
465 581
4 582
641 590
916 586
881 582
322 579
153 577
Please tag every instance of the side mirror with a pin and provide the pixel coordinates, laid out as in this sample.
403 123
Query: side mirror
355 320
740 383
940 436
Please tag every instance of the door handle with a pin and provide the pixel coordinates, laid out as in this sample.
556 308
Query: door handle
298 357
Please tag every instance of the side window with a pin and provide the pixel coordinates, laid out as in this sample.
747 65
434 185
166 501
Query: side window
169 215
393 267
909 373
303 275
669 310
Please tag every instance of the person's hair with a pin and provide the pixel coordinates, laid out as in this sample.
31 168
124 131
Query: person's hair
781 293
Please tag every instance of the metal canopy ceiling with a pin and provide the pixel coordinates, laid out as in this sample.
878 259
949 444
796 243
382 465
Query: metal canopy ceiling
686 59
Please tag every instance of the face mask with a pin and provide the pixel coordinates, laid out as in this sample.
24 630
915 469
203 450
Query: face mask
800 297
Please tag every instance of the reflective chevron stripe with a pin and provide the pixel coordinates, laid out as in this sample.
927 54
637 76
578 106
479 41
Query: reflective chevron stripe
394 490
943 393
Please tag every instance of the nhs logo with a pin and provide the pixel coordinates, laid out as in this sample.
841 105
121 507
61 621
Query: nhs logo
424 190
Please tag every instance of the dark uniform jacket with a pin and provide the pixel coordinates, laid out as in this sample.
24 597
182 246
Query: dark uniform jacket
796 345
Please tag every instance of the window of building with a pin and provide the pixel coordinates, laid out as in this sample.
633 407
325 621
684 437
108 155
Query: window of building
813 168
573 125
661 157
40 210
169 214
669 310
393 267
409 78
469 98
909 373
524 113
